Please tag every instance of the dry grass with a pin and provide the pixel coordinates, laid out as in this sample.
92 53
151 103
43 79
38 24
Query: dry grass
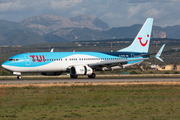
93 84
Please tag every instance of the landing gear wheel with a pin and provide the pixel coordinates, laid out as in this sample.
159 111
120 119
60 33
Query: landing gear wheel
18 77
73 76
93 75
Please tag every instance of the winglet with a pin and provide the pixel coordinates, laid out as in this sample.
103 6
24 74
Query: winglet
52 50
159 53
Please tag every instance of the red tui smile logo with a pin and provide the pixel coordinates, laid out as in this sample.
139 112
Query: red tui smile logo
143 44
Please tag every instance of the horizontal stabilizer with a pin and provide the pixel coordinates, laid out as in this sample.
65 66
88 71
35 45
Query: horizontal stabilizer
159 59
159 53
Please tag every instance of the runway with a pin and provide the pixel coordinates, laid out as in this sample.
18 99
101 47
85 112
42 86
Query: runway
97 80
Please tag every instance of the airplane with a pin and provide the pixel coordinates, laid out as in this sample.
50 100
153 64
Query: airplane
83 63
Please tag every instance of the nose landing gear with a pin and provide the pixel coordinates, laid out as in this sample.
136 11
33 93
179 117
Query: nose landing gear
18 74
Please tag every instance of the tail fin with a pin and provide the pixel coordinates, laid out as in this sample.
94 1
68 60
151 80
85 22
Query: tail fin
142 40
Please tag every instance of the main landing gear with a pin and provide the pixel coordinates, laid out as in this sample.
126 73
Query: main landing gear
73 76
93 75
19 77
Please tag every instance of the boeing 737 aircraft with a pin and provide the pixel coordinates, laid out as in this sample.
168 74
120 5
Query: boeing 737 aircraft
83 63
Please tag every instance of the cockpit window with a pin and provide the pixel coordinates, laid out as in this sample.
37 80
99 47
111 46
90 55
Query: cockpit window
13 59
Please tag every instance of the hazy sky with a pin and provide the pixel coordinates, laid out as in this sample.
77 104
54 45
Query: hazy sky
114 12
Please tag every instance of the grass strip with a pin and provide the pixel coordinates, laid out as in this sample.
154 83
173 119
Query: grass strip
91 102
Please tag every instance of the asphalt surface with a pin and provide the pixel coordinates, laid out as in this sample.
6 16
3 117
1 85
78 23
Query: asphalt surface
97 80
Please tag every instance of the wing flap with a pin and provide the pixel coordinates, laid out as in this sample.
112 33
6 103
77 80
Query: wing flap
113 63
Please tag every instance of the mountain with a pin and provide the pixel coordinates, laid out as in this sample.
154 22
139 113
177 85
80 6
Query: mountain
132 31
9 24
173 31
78 34
158 32
90 22
50 38
12 33
123 32
47 23
52 29
19 37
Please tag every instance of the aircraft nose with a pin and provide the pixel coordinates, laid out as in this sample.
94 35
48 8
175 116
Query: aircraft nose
4 65
7 66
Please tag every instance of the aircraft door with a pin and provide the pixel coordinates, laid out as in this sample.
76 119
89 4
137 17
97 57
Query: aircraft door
28 61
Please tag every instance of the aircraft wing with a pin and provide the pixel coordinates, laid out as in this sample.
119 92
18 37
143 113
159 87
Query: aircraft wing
112 63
